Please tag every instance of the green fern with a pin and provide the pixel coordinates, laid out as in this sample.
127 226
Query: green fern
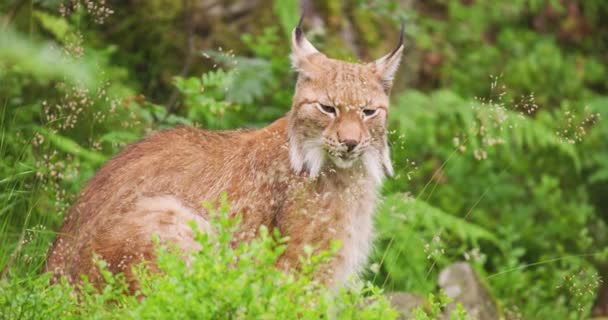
416 239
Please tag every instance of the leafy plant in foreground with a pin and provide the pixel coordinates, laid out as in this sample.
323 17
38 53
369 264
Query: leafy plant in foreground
220 281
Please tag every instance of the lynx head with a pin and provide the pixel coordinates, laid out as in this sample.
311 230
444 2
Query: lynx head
339 112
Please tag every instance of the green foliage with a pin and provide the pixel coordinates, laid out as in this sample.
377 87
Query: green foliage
474 40
247 92
22 56
205 97
437 303
219 281
429 237
56 108
242 282
533 176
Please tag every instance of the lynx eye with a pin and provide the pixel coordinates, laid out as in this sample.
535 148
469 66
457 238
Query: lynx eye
328 109
369 112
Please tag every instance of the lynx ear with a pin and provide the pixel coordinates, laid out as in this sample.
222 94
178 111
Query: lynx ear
387 66
301 49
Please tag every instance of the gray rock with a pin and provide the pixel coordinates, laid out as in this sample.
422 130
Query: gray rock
461 283
404 303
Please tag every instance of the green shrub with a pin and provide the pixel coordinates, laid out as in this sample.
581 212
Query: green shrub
218 282
529 203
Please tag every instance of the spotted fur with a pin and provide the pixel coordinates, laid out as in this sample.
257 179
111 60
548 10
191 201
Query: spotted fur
313 174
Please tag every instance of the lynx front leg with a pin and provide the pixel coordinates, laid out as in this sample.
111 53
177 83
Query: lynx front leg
316 232
318 224
325 273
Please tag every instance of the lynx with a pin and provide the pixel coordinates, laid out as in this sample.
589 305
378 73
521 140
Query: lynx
313 174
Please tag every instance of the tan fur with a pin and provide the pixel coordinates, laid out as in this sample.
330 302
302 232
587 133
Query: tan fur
295 175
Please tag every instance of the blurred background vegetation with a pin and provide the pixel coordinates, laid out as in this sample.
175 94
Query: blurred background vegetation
497 134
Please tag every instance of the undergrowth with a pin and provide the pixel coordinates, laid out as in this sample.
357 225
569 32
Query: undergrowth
220 281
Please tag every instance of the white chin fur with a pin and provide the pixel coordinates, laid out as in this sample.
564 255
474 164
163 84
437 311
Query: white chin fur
372 161
307 155
310 156
386 161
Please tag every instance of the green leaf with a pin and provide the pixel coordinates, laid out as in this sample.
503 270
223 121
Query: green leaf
420 212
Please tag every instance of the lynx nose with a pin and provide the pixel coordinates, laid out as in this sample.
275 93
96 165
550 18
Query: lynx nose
350 144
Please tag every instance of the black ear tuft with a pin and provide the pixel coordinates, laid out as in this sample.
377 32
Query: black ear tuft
401 34
300 22
299 29
387 66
